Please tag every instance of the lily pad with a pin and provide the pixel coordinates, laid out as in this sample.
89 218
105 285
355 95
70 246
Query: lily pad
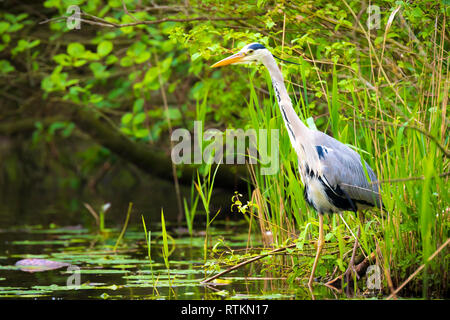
39 265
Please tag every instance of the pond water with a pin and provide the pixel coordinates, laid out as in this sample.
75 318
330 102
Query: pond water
94 270
55 226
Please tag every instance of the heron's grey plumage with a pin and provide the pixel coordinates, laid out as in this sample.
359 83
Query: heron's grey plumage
332 173
342 166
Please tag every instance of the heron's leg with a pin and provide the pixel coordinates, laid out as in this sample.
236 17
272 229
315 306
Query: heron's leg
320 245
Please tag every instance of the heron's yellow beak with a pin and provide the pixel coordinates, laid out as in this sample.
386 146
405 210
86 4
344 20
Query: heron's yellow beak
231 59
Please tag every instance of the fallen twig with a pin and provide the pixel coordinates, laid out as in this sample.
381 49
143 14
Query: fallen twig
247 262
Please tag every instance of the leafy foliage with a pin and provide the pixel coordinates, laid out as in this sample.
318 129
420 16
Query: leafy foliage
384 90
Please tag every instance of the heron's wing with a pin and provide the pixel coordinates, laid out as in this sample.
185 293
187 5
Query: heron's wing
343 170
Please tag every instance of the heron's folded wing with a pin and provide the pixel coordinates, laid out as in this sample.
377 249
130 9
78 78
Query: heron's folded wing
342 166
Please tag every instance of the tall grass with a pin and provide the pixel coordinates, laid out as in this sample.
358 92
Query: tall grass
402 140
125 225
165 248
148 240
191 210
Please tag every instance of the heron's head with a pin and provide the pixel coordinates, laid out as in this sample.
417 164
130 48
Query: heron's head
253 52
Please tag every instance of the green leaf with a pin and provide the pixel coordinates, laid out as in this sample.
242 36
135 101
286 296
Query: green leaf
127 131
3 26
99 70
126 62
33 44
22 45
55 126
104 48
15 27
142 133
62 59
79 63
47 84
141 58
269 23
139 118
89 55
6 67
68 130
165 65
126 118
95 98
138 105
172 113
195 56
6 38
75 49
111 59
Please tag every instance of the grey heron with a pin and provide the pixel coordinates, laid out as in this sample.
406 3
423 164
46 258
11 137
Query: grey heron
332 173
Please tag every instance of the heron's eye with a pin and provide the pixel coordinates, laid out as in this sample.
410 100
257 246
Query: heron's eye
250 51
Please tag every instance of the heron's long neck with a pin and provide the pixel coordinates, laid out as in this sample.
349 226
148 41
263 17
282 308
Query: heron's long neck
301 137
296 128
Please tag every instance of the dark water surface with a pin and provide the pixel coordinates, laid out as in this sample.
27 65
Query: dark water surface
56 226
126 273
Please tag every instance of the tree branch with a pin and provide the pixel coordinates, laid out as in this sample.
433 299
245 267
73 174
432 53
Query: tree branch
149 159
104 23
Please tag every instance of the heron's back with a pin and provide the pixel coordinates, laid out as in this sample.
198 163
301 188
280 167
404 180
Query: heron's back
342 184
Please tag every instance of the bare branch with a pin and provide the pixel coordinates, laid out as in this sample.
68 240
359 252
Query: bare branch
104 23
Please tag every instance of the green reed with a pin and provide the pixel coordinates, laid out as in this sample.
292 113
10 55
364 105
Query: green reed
148 241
